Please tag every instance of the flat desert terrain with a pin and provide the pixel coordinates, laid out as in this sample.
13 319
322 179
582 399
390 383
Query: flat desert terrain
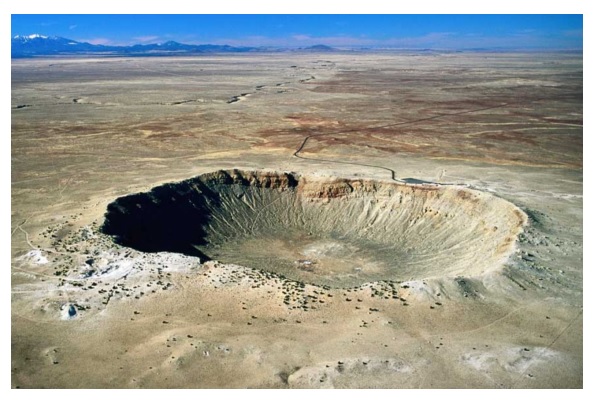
297 220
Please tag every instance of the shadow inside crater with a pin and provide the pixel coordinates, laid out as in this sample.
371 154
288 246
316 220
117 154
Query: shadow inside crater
171 218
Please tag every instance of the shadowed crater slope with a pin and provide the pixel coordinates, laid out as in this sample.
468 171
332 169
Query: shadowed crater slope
324 231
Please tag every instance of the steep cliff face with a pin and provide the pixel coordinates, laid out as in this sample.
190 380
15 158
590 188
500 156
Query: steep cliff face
330 231
263 179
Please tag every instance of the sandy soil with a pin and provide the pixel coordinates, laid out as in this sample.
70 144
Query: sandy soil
90 313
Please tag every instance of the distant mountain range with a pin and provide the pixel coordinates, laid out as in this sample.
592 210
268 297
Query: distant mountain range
39 45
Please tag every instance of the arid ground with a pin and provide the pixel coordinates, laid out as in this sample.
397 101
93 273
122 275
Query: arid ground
298 220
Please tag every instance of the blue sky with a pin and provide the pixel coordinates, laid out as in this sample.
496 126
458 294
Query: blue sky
403 31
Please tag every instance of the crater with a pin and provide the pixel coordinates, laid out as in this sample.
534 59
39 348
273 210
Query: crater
331 231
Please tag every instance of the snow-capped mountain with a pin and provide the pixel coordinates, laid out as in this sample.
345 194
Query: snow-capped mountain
36 44
40 45
30 37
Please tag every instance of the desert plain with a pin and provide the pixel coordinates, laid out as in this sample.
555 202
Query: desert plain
297 220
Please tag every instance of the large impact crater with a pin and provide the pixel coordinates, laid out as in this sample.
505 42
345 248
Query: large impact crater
324 231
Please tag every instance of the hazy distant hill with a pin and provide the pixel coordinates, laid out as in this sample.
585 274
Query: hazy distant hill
319 48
